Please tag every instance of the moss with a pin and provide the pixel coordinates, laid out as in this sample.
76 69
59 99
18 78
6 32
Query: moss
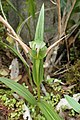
73 74
14 106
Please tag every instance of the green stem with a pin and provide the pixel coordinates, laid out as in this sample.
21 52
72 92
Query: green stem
38 93
29 73
38 90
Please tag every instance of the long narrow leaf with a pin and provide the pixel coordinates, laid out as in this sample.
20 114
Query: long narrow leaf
41 71
40 26
48 111
2 11
37 71
74 104
34 72
14 8
22 91
15 51
20 16
31 7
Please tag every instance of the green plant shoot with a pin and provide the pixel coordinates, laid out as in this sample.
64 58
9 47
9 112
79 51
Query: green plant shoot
38 51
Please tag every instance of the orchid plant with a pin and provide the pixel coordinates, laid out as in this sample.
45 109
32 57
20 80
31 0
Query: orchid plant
37 52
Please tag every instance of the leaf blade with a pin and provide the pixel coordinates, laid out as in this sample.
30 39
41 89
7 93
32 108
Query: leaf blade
74 104
40 26
48 111
15 51
22 91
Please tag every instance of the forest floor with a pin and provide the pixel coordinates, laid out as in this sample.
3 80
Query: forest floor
61 83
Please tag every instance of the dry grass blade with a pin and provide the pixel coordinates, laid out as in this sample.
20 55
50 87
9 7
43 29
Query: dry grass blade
12 34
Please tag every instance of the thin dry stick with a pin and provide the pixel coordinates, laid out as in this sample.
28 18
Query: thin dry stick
12 34
59 73
60 57
59 31
59 18
56 43
53 2
63 21
65 25
68 16
20 42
